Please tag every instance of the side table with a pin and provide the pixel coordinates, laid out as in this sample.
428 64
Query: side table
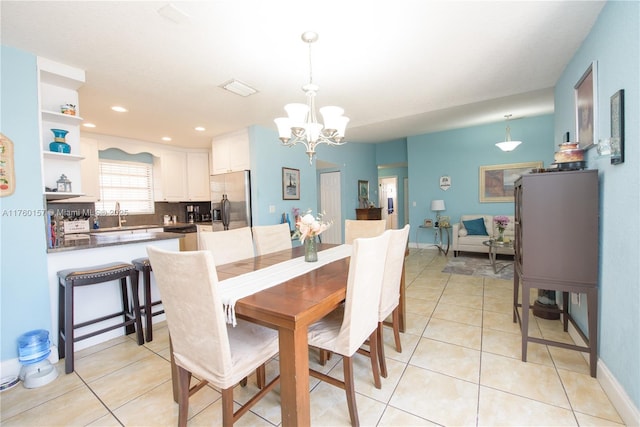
493 252
438 237
440 244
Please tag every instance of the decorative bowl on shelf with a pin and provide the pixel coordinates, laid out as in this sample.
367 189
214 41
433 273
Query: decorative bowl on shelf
68 109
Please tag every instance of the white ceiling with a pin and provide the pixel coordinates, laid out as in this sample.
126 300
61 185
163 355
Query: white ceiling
397 67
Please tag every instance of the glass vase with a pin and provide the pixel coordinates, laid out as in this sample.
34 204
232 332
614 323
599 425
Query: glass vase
500 234
310 249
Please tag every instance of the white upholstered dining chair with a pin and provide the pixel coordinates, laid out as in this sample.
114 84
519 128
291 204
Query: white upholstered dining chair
390 296
345 329
271 238
355 228
202 343
227 246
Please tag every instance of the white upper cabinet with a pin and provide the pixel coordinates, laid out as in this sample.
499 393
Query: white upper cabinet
173 169
198 177
184 176
58 86
230 152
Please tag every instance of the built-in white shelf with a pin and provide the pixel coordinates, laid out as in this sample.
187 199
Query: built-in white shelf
54 195
61 156
59 117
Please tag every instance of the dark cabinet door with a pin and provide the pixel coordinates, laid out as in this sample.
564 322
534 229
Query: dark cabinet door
557 226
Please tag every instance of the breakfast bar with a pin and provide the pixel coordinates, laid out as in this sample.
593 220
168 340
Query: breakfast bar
95 249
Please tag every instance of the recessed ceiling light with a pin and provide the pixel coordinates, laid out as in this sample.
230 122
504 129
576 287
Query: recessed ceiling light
239 88
200 129
166 138
88 125
119 109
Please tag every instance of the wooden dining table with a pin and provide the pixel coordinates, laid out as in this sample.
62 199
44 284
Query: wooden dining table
290 308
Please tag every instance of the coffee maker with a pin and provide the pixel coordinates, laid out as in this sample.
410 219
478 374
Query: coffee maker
191 215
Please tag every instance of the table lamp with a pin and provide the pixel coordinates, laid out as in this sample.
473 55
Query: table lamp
437 206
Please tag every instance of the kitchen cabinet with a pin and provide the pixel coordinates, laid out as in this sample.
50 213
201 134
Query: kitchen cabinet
198 177
184 176
58 85
230 152
173 170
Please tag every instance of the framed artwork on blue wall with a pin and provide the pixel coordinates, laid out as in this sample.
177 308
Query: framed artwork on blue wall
290 184
587 107
363 193
617 127
497 181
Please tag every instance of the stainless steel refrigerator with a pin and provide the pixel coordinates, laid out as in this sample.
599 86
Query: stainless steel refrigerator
231 200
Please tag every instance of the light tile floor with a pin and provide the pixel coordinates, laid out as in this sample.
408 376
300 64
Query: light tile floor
460 366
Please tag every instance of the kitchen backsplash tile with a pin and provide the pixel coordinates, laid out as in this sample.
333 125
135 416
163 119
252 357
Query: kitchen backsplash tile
161 208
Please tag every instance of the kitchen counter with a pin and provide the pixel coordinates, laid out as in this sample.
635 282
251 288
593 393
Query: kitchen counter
103 299
99 240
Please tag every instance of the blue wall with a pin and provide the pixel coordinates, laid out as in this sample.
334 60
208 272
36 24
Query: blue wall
614 42
23 277
269 156
459 153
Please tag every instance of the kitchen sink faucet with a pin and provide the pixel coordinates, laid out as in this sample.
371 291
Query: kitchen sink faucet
120 219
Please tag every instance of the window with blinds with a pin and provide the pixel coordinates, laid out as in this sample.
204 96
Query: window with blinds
130 183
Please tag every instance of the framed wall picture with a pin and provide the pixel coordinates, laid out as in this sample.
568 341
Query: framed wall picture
290 184
363 193
586 107
497 182
617 127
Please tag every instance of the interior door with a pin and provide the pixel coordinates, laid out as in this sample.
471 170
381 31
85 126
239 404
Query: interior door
331 205
388 200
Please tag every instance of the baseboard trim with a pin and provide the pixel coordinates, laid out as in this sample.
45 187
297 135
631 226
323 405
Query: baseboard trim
616 393
12 367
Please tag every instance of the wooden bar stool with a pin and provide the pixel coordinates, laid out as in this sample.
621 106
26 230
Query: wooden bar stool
144 266
69 279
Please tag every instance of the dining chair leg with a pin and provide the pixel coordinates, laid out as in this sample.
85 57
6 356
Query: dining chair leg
325 355
347 363
396 328
380 349
227 407
261 376
373 353
184 378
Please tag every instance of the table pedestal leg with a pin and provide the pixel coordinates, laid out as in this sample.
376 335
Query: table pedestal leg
294 377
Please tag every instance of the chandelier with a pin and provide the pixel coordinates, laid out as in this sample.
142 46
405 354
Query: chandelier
302 125
508 144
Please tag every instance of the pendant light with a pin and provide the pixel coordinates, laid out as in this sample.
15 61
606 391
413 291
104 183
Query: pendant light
508 144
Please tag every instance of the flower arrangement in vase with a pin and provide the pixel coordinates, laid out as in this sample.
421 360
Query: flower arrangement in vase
501 222
307 228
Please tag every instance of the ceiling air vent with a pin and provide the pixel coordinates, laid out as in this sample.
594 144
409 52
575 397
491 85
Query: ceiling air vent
239 88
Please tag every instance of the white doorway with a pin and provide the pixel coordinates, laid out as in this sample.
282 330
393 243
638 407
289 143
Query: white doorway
388 200
331 205
406 201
